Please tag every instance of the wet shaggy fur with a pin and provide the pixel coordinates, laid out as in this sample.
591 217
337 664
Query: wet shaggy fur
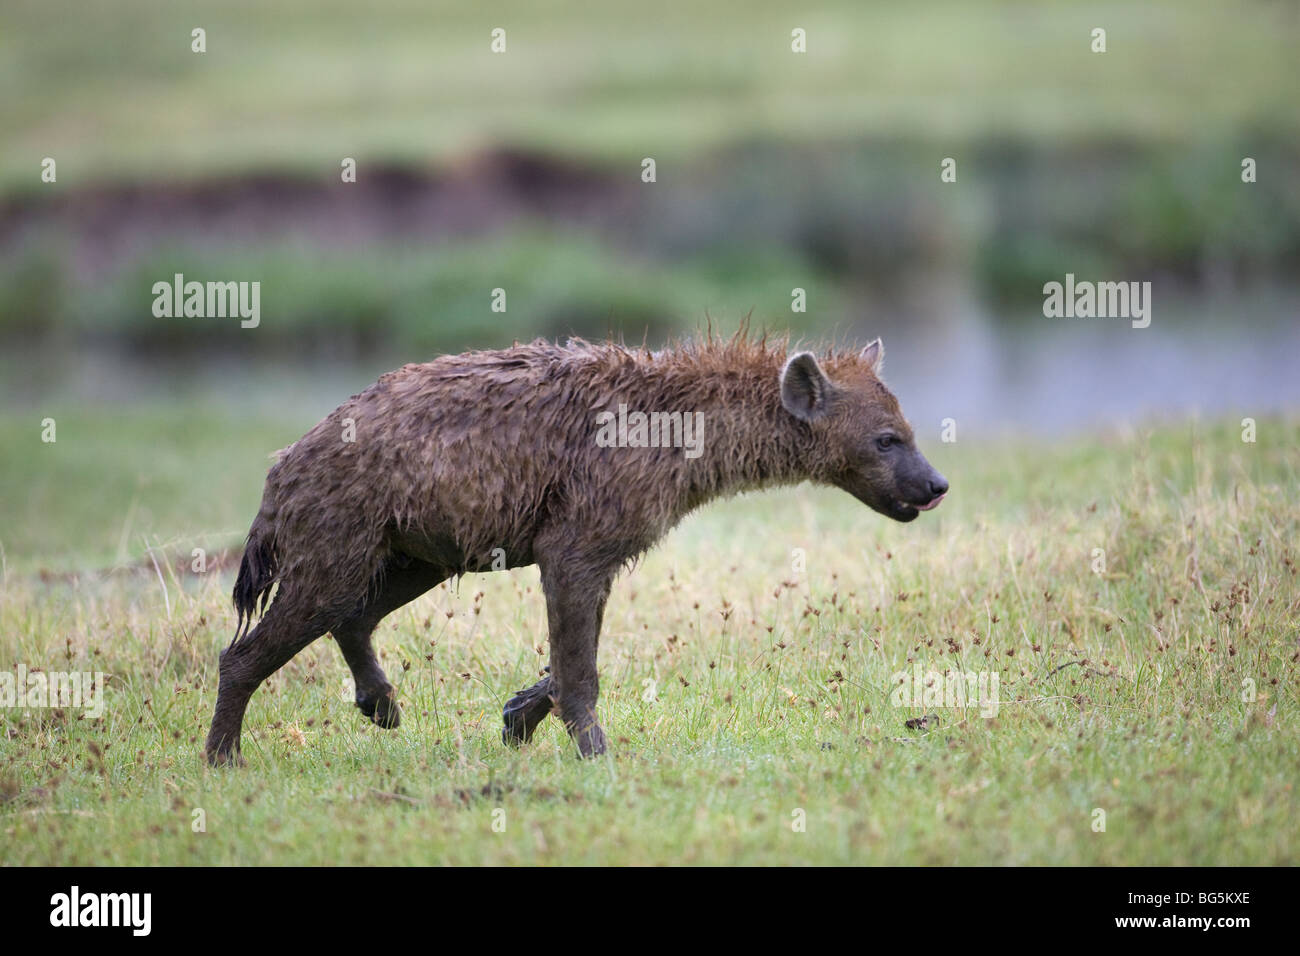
488 459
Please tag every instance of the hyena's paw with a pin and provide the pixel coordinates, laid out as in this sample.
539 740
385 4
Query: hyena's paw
586 733
525 711
382 708
224 757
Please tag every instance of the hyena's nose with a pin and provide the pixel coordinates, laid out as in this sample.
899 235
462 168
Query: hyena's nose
938 485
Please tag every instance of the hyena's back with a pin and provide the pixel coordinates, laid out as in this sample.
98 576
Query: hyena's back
455 462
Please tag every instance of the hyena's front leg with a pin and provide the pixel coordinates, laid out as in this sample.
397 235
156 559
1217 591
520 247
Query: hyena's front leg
527 709
576 592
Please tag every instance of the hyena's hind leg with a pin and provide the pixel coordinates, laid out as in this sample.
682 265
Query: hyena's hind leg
401 581
288 626
525 710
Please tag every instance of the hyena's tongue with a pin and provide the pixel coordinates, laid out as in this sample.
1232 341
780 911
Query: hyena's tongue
932 504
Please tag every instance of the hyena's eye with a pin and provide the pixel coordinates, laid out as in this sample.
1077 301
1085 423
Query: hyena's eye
885 442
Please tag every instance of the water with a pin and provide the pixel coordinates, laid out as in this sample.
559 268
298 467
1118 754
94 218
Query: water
1050 376
992 374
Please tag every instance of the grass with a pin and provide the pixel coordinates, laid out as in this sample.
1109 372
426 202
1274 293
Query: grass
868 224
432 296
298 86
737 690
775 170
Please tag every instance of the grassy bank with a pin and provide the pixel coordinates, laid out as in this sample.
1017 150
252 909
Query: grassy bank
298 86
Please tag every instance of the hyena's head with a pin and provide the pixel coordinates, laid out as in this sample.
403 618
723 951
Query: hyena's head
864 445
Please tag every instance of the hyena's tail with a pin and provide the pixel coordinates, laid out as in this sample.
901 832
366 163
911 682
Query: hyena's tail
258 571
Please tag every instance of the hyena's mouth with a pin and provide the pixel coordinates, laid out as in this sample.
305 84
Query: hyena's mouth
906 511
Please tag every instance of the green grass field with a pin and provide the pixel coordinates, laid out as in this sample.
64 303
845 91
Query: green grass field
742 694
116 91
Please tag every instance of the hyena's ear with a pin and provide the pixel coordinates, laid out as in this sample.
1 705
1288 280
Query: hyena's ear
805 389
874 355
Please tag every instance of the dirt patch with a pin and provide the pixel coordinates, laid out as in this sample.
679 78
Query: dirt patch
108 225
215 561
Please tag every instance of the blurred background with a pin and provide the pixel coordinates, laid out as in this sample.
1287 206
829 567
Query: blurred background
522 170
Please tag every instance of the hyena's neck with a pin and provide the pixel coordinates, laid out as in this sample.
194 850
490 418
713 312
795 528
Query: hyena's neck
748 439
